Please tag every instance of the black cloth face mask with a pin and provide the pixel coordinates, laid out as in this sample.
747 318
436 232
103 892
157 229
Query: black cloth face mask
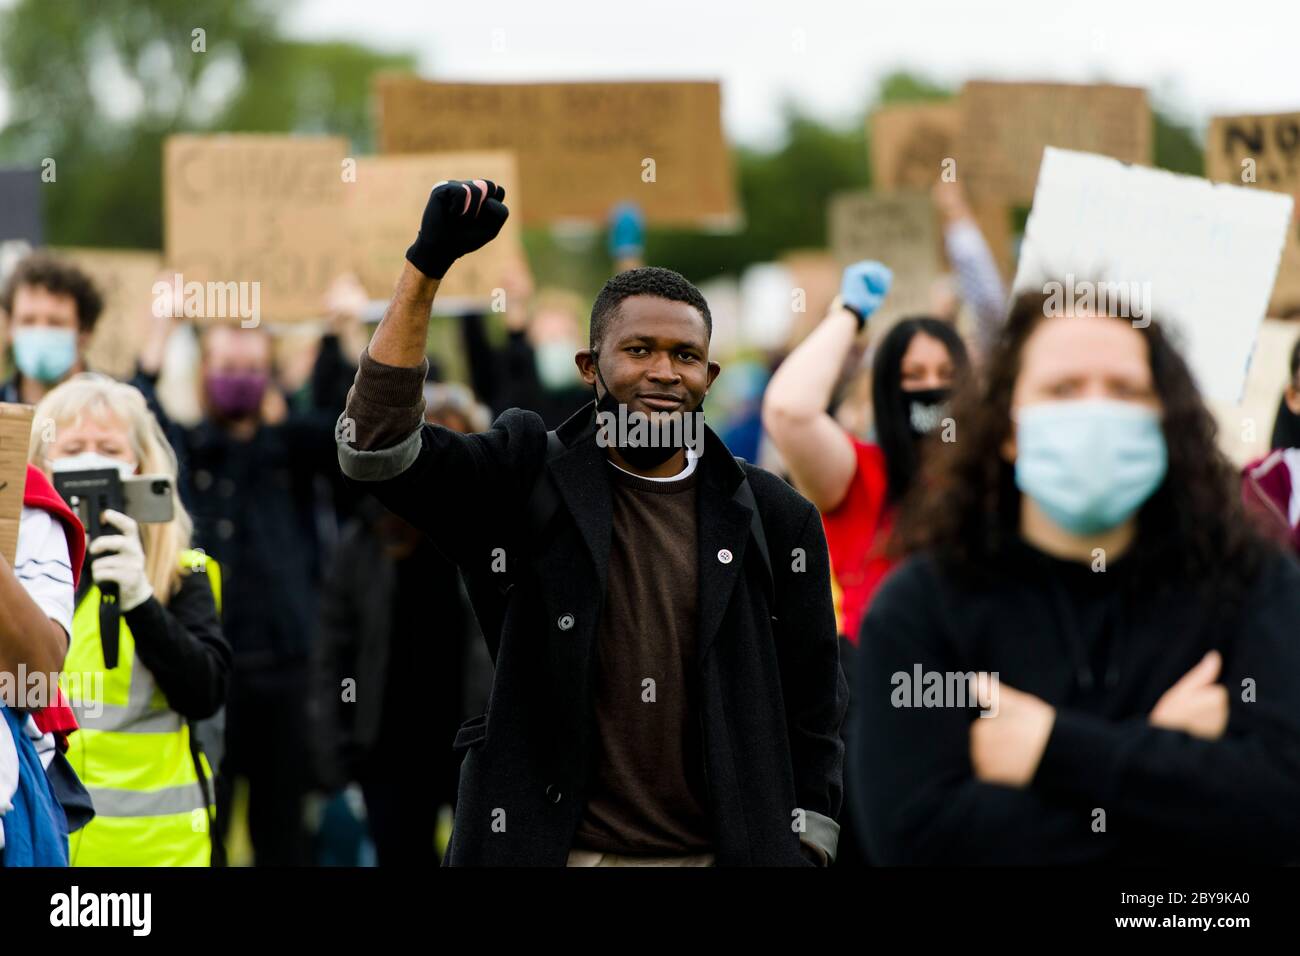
643 457
926 409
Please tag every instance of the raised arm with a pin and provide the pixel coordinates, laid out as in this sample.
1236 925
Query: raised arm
972 260
384 407
458 489
403 331
813 445
459 218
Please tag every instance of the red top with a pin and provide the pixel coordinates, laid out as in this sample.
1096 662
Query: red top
856 532
39 493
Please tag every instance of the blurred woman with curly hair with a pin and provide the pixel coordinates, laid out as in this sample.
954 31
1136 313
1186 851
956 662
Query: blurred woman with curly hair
1081 575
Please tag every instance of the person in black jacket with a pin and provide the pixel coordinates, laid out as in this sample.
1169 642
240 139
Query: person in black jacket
1088 657
379 677
250 482
658 698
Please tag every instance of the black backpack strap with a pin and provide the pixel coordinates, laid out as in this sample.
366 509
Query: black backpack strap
744 495
209 800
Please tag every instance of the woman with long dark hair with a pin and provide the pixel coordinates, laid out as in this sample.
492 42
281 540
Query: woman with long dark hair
1082 550
857 485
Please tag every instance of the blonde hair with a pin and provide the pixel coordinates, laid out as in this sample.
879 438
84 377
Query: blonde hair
93 394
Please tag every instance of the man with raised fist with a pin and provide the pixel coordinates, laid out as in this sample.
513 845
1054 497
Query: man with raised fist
668 689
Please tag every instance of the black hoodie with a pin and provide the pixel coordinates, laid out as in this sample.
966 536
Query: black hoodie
1101 648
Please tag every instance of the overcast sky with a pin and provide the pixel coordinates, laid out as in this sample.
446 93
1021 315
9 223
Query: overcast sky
1196 57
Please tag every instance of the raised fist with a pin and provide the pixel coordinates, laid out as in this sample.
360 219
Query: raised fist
461 216
864 286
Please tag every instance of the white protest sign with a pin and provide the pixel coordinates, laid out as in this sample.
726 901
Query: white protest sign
1198 256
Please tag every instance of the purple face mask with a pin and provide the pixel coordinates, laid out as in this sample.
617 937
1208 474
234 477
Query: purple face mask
235 394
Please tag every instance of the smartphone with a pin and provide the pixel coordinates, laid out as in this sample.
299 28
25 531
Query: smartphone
149 499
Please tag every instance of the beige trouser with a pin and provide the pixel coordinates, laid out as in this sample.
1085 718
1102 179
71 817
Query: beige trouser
596 858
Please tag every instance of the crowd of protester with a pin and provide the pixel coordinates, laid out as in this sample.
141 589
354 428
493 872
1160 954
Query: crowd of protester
1042 499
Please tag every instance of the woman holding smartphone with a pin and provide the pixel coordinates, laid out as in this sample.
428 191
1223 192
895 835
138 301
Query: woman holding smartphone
134 751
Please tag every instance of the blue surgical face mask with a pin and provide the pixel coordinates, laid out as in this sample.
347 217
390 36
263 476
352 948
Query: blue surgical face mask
1091 463
43 353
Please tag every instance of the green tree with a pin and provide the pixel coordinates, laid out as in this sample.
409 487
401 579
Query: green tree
99 94
783 195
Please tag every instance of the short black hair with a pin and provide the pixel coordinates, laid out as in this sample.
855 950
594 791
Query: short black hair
1295 363
648 280
58 277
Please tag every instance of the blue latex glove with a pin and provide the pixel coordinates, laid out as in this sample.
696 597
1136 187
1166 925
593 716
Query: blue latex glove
626 231
864 286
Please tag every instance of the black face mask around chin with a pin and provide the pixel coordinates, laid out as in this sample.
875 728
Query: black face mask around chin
926 409
643 457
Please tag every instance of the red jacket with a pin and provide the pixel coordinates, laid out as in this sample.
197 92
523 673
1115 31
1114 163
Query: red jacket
1267 487
39 493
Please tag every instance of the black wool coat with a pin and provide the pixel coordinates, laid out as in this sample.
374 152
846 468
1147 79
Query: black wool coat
773 695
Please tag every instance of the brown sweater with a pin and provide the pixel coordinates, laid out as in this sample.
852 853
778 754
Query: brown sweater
648 793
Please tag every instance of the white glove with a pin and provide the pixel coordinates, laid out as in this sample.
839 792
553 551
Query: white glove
125 568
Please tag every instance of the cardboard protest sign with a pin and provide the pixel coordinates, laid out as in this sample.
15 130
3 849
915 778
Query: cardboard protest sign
898 230
909 143
265 212
125 278
1263 152
581 147
15 435
383 208
1201 257
1005 126
816 274
21 213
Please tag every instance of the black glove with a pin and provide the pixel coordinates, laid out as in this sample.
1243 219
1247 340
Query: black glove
461 216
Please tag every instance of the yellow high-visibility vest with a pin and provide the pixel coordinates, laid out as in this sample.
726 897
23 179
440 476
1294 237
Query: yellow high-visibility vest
132 752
